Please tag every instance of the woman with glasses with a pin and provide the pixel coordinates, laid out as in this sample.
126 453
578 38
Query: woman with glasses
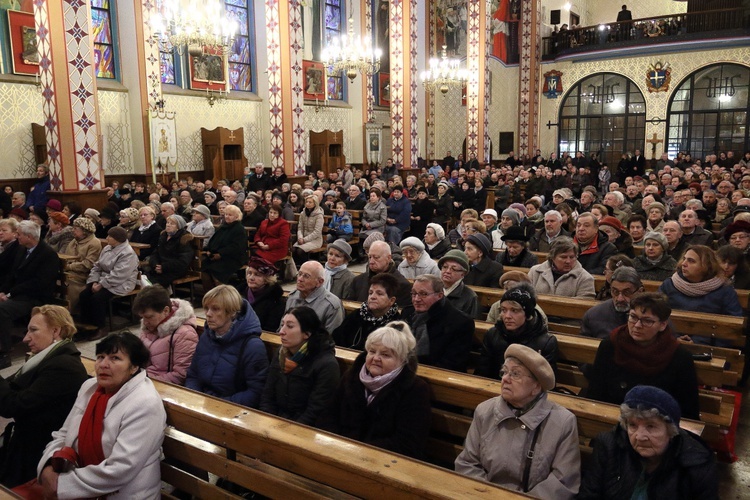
699 285
645 352
520 440
519 323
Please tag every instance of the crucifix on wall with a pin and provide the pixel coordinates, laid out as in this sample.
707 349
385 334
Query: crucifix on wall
654 141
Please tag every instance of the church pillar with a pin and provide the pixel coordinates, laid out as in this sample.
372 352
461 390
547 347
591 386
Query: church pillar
476 63
68 80
403 35
530 59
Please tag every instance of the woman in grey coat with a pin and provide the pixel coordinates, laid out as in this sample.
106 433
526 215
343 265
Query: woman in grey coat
374 215
338 277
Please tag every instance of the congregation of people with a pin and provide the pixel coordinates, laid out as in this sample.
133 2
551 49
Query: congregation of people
428 241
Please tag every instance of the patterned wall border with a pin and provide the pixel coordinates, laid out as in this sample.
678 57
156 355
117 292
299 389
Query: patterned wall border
296 41
430 97
487 32
367 5
525 78
398 79
49 89
275 100
151 51
413 84
473 53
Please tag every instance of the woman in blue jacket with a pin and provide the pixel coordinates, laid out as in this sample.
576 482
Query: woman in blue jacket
230 361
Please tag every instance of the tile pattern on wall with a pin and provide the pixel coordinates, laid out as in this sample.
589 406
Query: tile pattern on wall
432 41
333 119
369 87
152 68
296 43
114 116
502 112
413 83
84 115
20 106
450 123
398 78
275 100
473 54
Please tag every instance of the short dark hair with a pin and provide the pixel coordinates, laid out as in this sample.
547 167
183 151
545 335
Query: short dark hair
387 281
636 218
655 302
129 344
155 298
310 323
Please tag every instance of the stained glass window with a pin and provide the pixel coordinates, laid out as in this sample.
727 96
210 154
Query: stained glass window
166 61
240 57
101 31
333 25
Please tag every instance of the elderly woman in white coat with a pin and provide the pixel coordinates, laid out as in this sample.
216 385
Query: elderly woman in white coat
520 440
309 230
416 260
122 459
562 274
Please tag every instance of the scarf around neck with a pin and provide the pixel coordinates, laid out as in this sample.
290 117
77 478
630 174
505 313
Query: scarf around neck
330 272
366 314
643 360
90 451
373 385
696 289
289 363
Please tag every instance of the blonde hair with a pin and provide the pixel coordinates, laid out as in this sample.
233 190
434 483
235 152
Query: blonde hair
226 297
395 336
57 317
147 208
233 210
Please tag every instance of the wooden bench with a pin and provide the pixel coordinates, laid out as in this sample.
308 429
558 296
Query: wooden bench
279 458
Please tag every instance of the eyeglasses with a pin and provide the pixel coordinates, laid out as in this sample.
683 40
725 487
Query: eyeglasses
739 236
625 293
515 375
453 269
647 322
421 295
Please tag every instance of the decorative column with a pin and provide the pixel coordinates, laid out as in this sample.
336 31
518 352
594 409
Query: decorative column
296 44
403 26
431 52
69 90
476 62
368 103
528 106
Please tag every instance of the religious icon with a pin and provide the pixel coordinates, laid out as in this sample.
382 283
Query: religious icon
23 43
658 77
374 142
30 52
315 78
552 84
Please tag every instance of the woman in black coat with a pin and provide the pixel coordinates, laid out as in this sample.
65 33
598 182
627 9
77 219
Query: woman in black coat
422 211
40 395
443 204
148 232
264 294
226 251
484 271
385 404
304 373
174 253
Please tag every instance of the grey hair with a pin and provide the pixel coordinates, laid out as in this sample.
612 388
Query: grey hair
561 245
694 204
21 194
435 282
557 215
620 197
11 223
167 204
627 413
397 337
30 229
627 274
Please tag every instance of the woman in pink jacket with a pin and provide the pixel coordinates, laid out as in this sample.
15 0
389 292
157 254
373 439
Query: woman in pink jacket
168 330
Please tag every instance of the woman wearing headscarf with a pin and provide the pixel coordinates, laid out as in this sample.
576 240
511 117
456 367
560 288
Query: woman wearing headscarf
647 455
520 440
40 394
645 351
655 263
380 400
519 322
60 232
174 253
379 309
435 242
304 374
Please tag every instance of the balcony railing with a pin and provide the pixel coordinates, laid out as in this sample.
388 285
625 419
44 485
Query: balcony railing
702 25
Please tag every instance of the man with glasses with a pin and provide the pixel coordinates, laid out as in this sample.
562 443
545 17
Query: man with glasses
601 319
453 268
310 292
444 334
738 235
355 201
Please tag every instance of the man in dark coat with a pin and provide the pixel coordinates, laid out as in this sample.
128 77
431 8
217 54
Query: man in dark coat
604 317
30 283
444 334
593 244
380 260
260 181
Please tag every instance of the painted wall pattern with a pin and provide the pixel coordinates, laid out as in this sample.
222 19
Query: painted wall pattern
151 52
473 64
414 85
275 100
83 90
398 78
431 98
369 87
681 64
114 116
296 42
450 123
502 115
333 119
21 105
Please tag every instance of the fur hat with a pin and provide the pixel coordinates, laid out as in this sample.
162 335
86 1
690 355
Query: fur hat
518 276
262 266
118 233
376 236
646 397
659 238
659 206
413 242
130 212
455 255
534 362
20 213
60 218
439 231
737 226
85 224
509 212
203 210
524 296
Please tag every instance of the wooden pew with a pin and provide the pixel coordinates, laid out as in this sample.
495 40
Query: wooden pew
279 458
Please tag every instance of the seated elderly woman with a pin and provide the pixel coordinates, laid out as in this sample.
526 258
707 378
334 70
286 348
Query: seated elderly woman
115 273
60 232
516 251
379 309
374 215
416 260
264 293
85 248
509 280
655 263
735 266
618 235
380 400
230 361
226 252
39 396
304 373
644 351
520 323
483 270
174 253
435 242
520 440
647 455
309 231
113 433
148 231
338 277
129 220
562 274
699 286
169 331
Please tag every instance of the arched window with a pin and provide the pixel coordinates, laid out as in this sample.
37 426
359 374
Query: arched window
102 22
708 112
603 113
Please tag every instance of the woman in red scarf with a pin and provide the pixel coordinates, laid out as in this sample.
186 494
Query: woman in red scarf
110 444
645 352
